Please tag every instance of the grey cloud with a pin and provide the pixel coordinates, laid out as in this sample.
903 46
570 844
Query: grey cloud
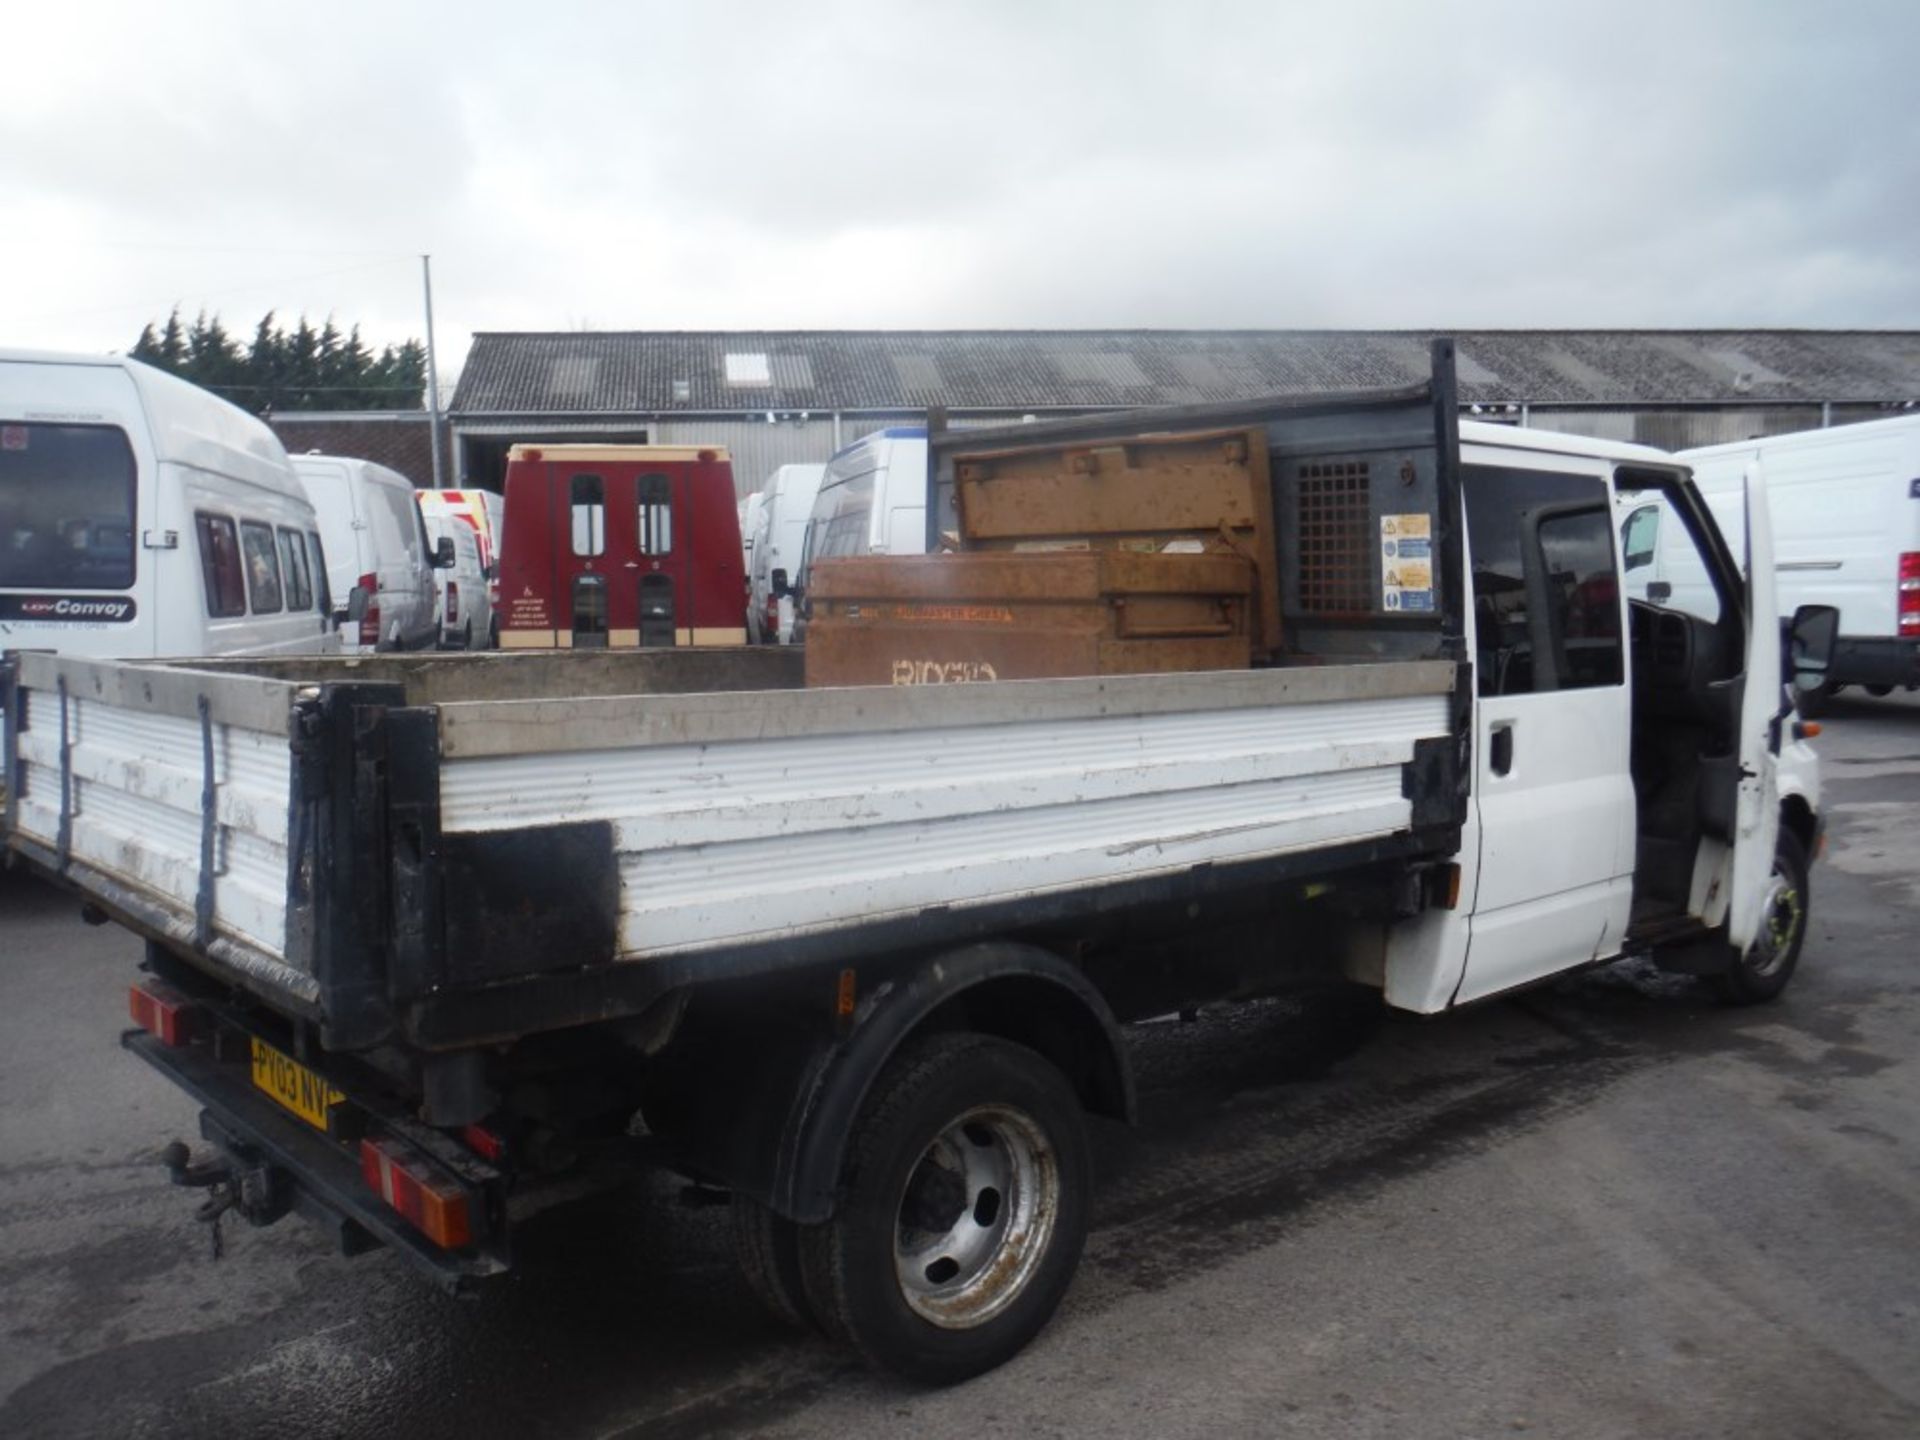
1014 164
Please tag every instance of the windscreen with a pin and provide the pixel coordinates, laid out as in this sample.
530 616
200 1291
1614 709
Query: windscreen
843 518
66 507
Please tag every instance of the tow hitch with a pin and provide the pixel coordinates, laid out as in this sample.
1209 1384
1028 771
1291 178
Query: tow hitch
254 1189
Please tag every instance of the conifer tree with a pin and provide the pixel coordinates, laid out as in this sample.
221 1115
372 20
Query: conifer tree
307 369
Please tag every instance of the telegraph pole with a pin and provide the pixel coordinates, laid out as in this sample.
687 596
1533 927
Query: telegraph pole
433 375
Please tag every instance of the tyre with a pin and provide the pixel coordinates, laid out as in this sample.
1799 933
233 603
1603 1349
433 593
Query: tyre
1762 973
766 1247
963 1210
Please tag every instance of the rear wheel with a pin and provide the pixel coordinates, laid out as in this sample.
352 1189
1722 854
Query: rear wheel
1762 973
963 1210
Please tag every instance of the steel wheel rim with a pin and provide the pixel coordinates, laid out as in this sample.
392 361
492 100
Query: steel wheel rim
975 1217
1781 916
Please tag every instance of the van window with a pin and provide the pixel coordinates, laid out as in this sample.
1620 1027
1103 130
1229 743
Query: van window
1546 597
263 566
220 566
656 515
588 495
66 507
323 598
293 564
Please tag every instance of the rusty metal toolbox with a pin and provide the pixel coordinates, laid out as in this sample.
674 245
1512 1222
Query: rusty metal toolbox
1207 491
943 619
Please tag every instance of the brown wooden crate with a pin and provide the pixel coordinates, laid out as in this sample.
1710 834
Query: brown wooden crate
1211 487
941 619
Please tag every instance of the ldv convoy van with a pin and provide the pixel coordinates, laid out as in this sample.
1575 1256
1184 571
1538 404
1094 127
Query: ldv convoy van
142 516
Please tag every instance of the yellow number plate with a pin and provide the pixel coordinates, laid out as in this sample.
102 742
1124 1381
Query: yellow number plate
293 1085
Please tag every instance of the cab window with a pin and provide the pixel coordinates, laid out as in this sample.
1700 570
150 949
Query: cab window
1546 596
1639 535
1664 564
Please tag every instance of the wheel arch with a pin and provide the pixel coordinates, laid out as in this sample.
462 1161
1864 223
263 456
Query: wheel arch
1016 992
1797 817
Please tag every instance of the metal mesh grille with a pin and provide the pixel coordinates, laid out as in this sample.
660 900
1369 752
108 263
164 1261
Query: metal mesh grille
1333 530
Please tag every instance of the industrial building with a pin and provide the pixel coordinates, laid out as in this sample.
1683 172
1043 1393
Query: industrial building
772 397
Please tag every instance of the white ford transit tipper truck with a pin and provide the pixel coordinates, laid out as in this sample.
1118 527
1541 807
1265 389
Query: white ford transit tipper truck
425 936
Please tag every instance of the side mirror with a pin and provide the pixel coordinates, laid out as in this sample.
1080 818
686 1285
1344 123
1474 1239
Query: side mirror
443 553
1810 641
357 602
781 588
1659 591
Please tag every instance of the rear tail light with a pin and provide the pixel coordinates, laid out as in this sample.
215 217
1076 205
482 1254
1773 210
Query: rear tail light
370 621
773 616
1910 593
435 1207
453 603
161 1011
483 1141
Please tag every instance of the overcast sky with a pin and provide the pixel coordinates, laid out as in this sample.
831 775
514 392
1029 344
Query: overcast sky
696 165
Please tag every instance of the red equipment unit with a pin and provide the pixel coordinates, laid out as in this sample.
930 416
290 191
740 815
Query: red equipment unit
620 546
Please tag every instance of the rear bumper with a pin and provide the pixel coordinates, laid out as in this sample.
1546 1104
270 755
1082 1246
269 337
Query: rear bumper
1874 660
315 1174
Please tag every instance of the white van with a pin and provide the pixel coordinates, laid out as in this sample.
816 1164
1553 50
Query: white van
786 507
463 603
1846 524
753 530
141 516
872 501
377 543
485 512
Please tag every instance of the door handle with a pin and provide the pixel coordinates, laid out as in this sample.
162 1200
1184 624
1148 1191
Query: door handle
1500 749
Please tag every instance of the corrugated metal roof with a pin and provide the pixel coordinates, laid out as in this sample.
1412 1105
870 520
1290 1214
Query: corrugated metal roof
636 371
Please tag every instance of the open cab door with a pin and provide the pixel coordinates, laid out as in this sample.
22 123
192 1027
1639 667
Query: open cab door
1763 709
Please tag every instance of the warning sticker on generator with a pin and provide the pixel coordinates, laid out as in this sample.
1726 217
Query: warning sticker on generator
1406 563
